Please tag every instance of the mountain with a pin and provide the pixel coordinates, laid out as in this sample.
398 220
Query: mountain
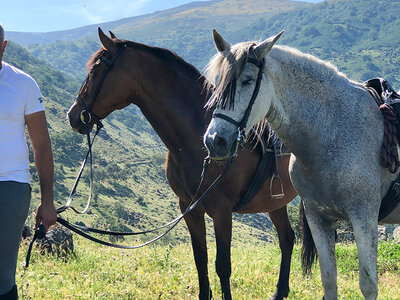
361 37
202 12
185 30
130 188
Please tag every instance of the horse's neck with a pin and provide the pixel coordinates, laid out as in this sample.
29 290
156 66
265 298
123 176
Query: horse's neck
174 108
311 100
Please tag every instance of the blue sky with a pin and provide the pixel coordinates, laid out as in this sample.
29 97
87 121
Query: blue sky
53 15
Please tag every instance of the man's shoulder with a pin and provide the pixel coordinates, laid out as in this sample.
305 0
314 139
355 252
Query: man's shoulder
19 77
15 71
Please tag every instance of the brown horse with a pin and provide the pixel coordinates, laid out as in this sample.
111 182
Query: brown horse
170 94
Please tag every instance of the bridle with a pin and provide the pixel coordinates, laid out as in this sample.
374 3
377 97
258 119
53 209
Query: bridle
86 115
242 124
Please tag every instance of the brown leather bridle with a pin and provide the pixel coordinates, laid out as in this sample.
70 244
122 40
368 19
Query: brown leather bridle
86 115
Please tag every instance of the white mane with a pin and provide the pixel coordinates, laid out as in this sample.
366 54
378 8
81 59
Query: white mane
309 64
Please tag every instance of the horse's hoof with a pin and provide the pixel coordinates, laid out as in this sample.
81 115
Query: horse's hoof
276 296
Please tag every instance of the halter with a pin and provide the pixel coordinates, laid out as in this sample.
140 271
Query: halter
86 114
242 124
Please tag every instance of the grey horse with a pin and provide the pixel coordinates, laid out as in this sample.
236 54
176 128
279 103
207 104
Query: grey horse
332 126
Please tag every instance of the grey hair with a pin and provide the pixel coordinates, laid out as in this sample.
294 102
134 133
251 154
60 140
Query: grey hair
222 71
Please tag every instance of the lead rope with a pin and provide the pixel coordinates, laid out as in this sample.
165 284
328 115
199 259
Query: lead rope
40 233
78 177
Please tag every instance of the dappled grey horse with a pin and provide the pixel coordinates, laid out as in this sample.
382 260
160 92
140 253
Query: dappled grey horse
332 126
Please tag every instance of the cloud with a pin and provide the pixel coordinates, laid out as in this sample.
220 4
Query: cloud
50 15
97 12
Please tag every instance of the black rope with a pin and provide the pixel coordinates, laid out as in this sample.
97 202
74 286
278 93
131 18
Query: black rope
81 230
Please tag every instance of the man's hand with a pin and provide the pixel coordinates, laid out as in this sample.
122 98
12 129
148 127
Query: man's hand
46 214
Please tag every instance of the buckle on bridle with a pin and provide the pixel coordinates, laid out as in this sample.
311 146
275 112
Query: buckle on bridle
238 142
85 116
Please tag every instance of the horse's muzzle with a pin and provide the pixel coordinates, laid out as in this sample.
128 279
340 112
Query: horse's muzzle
219 148
77 125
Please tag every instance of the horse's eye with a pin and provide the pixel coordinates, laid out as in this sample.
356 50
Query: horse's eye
98 61
247 81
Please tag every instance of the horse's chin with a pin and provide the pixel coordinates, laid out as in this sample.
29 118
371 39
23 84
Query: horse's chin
84 129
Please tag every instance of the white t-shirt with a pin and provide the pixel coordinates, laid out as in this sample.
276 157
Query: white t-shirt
19 96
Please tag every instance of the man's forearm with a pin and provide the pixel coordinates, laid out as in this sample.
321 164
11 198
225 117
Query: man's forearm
45 170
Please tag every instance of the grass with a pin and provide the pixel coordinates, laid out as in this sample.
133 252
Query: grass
168 272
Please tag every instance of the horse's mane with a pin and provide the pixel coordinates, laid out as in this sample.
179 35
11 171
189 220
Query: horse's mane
222 72
308 63
224 69
161 53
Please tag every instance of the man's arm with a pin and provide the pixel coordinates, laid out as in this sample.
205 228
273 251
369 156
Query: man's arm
41 145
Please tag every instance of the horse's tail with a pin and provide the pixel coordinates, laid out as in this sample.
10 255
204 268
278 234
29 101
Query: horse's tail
308 251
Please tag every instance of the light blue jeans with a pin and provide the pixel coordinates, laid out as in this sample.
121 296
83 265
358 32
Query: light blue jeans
15 198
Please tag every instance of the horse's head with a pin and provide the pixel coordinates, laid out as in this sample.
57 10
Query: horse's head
243 93
101 93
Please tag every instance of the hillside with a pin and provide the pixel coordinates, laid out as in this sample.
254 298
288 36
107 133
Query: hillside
131 190
361 37
185 30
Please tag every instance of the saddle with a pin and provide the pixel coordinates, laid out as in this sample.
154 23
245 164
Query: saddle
270 147
385 90
381 87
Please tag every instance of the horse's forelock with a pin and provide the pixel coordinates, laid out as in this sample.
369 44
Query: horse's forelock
223 71
94 58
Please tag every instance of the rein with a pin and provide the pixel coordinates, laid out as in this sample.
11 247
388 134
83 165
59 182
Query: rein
86 117
82 230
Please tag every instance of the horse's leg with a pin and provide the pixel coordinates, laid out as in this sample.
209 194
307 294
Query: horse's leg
223 236
197 228
286 237
323 233
365 228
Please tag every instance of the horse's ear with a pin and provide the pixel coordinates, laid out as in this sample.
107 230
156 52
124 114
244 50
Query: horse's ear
219 42
106 42
112 35
263 48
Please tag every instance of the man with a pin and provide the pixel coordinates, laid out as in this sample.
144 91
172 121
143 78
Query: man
20 104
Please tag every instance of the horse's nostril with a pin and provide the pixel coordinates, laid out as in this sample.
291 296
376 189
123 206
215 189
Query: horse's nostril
220 143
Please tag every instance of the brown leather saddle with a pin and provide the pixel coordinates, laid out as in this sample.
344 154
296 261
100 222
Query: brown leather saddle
270 147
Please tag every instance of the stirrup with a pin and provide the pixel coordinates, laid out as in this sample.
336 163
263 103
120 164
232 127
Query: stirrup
281 194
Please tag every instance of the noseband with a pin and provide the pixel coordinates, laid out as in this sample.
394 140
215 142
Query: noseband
242 124
86 115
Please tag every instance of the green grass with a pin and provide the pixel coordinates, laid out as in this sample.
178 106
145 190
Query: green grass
168 272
